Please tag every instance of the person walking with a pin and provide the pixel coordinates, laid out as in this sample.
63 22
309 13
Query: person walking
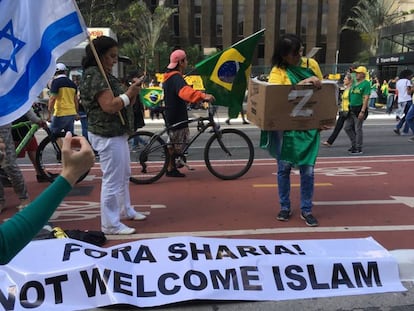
343 111
358 110
391 94
405 101
63 102
110 121
373 97
177 93
31 147
294 148
12 170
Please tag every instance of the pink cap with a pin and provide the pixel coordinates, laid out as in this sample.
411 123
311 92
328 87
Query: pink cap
175 57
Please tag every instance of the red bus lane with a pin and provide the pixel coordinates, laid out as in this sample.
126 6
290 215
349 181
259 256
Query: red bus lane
354 197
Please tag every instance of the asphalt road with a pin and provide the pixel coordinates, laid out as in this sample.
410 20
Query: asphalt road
379 140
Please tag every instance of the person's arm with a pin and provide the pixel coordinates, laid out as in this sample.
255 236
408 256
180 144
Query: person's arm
31 115
76 100
19 230
365 100
111 104
190 95
51 105
410 89
316 80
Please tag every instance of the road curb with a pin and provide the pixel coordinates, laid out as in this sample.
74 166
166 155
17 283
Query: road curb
405 259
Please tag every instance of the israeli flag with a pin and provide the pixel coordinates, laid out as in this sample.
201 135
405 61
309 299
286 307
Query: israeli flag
33 34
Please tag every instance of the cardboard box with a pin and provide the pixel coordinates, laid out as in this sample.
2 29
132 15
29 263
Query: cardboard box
292 107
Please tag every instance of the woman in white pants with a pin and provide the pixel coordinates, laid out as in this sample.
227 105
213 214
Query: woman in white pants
110 121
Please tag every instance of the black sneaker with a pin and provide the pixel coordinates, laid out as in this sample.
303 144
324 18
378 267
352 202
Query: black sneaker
42 178
284 215
397 131
309 220
355 152
174 173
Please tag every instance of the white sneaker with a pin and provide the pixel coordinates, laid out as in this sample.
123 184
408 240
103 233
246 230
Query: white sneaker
23 204
138 216
124 231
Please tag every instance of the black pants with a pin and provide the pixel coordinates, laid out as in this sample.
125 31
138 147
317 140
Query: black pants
338 127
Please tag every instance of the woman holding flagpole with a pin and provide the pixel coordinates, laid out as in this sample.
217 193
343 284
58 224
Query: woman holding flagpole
294 148
110 120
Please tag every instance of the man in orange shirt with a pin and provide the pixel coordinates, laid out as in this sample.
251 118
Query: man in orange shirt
177 93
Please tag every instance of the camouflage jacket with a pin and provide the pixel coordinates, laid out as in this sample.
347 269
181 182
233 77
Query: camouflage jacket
100 122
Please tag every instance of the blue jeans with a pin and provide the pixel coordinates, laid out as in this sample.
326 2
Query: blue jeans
306 186
372 102
409 117
65 123
84 123
390 102
403 121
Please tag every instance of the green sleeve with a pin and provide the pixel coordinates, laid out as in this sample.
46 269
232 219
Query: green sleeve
19 230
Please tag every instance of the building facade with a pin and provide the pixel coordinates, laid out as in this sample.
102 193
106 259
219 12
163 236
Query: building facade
396 51
217 24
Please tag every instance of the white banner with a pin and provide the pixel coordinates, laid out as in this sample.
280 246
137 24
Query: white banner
65 274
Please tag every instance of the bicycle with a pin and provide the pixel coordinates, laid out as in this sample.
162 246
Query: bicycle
48 154
228 153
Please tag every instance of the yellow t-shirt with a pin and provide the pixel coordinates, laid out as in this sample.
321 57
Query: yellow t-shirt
279 76
65 91
345 100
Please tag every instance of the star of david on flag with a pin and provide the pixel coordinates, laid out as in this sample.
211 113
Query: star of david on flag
226 73
33 34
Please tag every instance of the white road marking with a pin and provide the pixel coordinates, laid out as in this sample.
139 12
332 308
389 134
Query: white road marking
409 201
263 231
151 205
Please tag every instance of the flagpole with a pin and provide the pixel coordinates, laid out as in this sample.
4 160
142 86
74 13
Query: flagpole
98 62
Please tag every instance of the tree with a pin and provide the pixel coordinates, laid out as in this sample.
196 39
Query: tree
98 13
143 28
368 17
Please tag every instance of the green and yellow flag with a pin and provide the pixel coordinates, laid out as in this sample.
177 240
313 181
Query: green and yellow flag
226 74
151 97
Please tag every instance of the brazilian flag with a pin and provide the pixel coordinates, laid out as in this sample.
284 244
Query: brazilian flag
151 97
225 74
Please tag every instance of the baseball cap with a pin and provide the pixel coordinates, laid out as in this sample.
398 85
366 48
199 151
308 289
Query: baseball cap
361 69
175 57
60 67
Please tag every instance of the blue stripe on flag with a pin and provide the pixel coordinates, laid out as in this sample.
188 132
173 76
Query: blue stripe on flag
54 35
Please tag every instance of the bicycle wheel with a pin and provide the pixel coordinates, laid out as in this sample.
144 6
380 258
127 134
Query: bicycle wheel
148 164
49 158
229 156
